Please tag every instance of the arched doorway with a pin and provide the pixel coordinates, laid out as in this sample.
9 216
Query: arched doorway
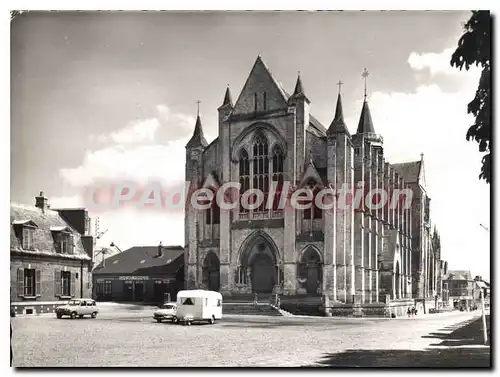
310 271
259 257
263 274
211 272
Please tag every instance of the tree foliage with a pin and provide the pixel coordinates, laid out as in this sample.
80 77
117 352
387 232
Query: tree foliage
474 48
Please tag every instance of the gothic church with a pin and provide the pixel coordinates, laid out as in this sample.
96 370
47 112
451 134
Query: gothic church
348 258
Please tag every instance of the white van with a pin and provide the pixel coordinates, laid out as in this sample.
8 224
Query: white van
198 305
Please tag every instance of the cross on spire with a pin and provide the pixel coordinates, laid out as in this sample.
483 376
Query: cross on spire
198 110
339 84
365 75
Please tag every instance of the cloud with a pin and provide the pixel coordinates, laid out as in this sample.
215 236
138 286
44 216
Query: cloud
436 63
138 163
66 202
129 158
175 126
134 133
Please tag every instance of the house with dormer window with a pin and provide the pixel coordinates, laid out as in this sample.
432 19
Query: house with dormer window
51 256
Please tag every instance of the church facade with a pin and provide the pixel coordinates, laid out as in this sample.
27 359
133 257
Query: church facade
351 256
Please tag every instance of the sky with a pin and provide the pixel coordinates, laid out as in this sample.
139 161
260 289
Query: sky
112 95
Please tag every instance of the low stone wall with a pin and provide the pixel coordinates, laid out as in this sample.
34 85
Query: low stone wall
395 308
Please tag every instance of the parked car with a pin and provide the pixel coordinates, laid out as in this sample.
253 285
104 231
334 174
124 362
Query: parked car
78 308
166 311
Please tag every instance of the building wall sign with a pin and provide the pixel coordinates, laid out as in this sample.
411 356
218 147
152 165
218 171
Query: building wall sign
133 278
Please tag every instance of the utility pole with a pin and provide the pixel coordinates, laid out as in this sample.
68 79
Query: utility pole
483 314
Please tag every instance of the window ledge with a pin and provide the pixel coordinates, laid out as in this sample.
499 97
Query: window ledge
30 297
65 297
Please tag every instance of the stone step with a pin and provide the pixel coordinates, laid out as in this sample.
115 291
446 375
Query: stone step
249 309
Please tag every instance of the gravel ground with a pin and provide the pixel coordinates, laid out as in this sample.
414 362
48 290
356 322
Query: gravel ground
132 338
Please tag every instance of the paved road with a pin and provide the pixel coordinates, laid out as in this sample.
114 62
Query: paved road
132 338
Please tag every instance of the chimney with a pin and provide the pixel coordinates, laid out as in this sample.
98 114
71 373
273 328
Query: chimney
42 202
160 250
88 246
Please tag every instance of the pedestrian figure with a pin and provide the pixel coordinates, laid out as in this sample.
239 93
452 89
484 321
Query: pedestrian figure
255 300
409 312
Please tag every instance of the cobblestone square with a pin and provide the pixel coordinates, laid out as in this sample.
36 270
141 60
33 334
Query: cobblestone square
134 339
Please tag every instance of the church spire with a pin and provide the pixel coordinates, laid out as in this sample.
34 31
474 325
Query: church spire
198 139
299 90
338 124
298 86
227 98
365 124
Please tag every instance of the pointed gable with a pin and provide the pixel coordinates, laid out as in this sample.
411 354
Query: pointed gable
311 173
260 81
211 182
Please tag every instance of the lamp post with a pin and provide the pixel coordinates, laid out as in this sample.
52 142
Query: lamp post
112 244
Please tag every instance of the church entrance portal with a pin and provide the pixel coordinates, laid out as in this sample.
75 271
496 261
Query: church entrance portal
263 274
309 271
211 272
260 258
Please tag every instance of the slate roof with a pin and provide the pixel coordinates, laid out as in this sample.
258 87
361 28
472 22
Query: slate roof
410 171
143 260
482 284
458 275
43 240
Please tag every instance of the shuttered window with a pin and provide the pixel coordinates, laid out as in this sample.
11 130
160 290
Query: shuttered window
57 283
20 282
73 285
38 280
28 282
66 283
